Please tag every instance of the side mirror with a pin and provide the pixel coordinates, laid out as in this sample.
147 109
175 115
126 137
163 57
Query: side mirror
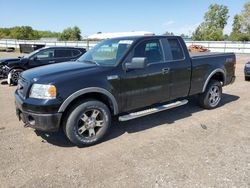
137 63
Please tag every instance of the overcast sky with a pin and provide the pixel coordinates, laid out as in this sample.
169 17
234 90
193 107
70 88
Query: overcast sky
92 16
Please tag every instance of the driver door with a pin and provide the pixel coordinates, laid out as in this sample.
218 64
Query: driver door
147 86
43 57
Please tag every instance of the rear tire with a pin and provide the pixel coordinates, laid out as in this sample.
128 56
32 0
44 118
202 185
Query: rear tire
247 78
211 98
87 123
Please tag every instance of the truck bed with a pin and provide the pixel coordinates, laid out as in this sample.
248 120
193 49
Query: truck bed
195 55
204 63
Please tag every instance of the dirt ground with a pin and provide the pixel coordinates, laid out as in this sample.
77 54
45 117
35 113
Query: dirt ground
182 147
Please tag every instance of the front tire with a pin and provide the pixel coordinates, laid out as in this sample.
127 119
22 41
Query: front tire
211 98
13 76
88 122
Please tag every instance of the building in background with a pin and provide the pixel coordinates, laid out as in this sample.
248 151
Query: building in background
101 36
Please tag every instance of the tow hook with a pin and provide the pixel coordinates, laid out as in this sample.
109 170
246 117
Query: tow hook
20 117
26 125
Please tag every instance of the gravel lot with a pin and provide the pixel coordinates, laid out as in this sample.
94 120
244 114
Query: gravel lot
182 147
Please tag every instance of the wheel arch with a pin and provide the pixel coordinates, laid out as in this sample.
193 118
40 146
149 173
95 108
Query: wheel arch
218 74
13 68
94 93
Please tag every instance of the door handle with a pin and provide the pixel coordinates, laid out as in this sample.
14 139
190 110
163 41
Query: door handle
52 61
72 59
165 70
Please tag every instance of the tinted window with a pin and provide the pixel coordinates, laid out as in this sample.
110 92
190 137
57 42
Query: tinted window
76 52
62 53
176 49
150 49
46 54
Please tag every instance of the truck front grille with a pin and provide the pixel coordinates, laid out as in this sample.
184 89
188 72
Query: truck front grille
22 87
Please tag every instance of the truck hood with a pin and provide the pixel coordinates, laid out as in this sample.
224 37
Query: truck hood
50 73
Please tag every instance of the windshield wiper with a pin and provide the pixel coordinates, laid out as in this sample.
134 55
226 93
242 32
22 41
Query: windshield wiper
92 62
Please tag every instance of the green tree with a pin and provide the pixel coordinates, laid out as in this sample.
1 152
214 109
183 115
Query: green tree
23 32
236 28
217 16
199 33
241 25
27 32
73 34
245 14
215 20
184 35
168 33
48 34
4 32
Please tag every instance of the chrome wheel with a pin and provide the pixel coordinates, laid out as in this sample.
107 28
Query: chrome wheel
90 123
214 96
15 76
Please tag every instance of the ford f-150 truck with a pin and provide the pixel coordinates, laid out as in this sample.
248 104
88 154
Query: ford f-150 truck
126 77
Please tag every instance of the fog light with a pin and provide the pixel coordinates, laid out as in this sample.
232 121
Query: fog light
31 120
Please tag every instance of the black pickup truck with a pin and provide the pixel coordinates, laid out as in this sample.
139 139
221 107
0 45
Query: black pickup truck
11 68
125 77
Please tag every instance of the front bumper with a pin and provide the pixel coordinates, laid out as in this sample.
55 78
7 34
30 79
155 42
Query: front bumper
46 122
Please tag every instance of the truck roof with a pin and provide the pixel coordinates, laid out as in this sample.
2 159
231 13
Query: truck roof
143 37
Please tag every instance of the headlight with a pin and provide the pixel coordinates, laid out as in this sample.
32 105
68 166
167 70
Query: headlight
41 91
248 65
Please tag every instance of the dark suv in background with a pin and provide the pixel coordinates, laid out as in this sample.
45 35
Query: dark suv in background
247 71
11 68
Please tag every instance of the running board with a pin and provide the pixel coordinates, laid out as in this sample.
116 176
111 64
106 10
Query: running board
152 110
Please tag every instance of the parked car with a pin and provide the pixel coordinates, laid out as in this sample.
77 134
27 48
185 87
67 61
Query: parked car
128 77
11 68
247 71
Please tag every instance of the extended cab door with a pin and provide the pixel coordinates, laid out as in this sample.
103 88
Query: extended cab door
179 66
147 86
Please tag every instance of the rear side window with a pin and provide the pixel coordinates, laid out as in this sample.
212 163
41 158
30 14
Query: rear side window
176 50
63 53
75 52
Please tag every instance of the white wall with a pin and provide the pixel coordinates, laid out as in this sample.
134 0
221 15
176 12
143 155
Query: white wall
15 43
214 46
223 46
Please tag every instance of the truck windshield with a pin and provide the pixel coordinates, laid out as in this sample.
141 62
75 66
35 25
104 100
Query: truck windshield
107 52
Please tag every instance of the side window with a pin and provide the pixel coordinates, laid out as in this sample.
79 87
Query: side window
75 52
62 53
151 49
175 46
46 54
